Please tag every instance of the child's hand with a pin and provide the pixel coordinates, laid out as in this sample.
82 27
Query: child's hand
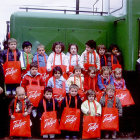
97 115
1 90
25 114
89 112
12 117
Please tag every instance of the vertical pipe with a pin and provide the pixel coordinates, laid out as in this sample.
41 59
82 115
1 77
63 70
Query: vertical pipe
77 6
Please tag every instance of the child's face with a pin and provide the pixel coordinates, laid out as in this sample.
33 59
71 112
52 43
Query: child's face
73 91
34 71
92 74
48 95
118 75
91 98
58 49
27 49
114 50
41 51
77 72
57 75
101 51
88 49
106 74
110 92
20 94
73 49
12 46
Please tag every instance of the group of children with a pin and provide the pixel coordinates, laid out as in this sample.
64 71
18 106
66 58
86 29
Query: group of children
90 78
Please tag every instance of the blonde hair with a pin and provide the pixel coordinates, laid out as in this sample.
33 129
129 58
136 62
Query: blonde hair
105 68
118 70
12 40
77 67
101 46
109 86
73 86
92 68
40 46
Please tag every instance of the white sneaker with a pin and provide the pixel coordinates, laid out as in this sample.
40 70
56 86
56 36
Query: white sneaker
8 93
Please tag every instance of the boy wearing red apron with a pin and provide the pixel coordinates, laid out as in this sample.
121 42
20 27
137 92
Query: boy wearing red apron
89 57
107 101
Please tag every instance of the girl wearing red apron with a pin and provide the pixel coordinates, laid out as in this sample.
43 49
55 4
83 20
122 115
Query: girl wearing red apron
73 57
58 58
104 78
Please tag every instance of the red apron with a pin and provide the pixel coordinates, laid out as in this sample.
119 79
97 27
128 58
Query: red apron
12 70
124 96
72 67
21 125
49 122
110 117
59 93
91 125
80 91
87 65
34 93
114 66
70 119
63 67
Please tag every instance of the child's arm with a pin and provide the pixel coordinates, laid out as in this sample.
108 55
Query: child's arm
84 108
35 58
85 84
99 110
50 61
24 82
97 61
66 87
119 106
82 61
29 108
11 109
111 80
100 84
40 109
42 82
50 83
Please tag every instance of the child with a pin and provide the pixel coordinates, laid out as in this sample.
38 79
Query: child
101 49
119 82
41 53
26 57
91 96
90 81
35 78
76 78
114 57
57 57
57 74
12 43
73 91
32 75
104 78
21 98
48 93
110 92
89 57
72 57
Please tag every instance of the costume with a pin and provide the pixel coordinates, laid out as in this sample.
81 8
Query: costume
23 59
85 108
57 61
58 83
28 76
83 59
27 106
75 80
73 59
119 84
41 59
90 83
102 82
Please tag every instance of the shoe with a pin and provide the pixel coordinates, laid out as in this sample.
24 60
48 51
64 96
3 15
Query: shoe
8 93
45 136
74 137
106 136
113 136
67 137
13 92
